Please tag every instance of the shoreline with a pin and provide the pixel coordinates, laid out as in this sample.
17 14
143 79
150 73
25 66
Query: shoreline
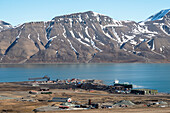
118 62
30 82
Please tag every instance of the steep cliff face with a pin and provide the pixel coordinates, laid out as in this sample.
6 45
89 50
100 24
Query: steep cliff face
87 37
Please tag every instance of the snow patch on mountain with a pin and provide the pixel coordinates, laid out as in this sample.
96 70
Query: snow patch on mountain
97 16
64 32
29 36
151 44
114 25
142 29
107 34
86 30
94 46
86 39
93 26
94 38
48 30
73 48
70 20
130 38
38 37
4 25
71 45
80 40
80 19
116 35
53 37
163 27
72 34
20 31
81 36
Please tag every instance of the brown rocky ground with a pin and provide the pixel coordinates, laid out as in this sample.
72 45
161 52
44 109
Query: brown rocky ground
14 98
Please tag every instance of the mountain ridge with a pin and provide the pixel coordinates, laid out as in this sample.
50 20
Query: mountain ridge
86 37
158 15
4 25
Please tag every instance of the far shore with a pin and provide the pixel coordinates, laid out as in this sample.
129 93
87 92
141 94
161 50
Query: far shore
65 63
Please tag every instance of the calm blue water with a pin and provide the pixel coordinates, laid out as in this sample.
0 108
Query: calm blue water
155 76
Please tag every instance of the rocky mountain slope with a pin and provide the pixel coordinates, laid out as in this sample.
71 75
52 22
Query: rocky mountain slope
4 25
86 38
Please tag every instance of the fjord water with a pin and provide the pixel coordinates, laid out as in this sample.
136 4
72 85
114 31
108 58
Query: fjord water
153 76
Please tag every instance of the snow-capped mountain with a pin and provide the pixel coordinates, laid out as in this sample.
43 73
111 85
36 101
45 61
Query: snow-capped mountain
4 25
159 16
87 37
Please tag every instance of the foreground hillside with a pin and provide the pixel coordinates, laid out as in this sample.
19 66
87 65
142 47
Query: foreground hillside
18 100
87 37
